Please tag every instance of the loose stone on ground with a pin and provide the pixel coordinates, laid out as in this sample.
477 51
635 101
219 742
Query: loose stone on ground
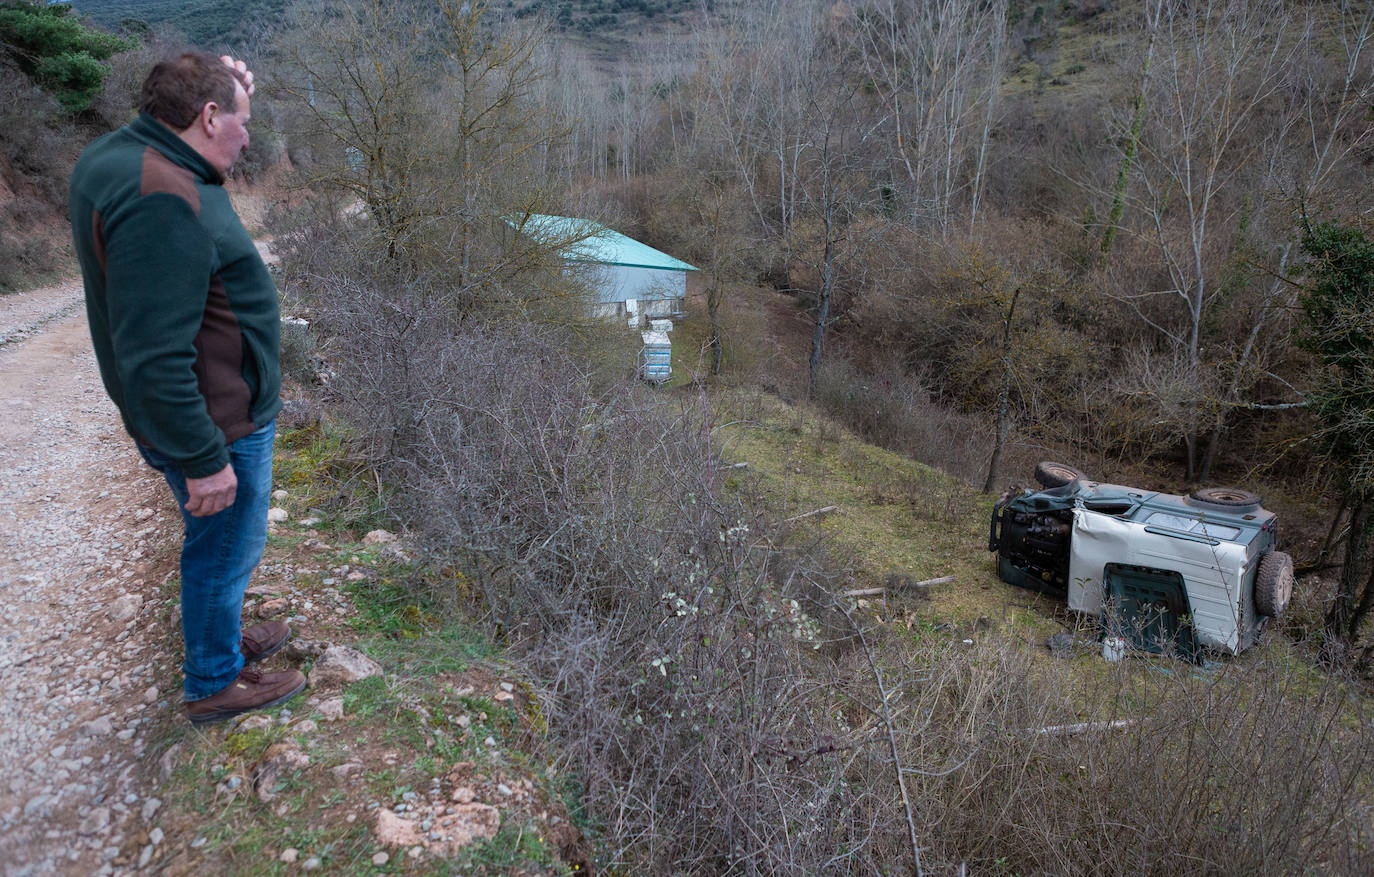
341 665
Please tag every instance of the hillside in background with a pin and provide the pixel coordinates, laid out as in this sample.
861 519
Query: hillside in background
203 22
614 31
615 23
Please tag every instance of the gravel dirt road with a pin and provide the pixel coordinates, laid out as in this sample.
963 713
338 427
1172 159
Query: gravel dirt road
89 539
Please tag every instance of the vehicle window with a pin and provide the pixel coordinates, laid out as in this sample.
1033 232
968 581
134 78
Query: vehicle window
1193 525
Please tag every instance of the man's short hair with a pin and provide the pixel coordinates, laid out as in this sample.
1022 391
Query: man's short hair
178 88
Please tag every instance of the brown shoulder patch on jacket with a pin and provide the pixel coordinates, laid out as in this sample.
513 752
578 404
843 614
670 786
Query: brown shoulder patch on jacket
219 365
160 175
98 237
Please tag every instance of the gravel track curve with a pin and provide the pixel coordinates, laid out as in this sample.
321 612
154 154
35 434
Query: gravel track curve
89 538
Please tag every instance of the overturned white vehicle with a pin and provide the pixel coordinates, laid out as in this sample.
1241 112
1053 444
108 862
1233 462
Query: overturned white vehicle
1168 573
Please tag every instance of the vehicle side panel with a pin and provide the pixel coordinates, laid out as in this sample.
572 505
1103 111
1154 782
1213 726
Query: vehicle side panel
1217 576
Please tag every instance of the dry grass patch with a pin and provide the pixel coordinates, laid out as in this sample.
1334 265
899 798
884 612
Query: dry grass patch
895 517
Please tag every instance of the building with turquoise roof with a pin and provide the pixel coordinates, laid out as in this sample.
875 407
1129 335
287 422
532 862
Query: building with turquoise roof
629 279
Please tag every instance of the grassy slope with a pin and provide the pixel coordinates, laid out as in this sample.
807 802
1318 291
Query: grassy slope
897 520
896 517
900 519
437 704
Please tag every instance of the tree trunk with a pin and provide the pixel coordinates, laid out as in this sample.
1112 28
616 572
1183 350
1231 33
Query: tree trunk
1233 390
1333 535
822 312
1343 619
1000 442
1003 399
713 312
1362 608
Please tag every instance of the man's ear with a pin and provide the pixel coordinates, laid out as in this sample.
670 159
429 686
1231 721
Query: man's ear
206 119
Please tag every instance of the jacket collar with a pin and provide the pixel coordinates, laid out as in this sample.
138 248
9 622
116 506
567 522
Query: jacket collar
149 130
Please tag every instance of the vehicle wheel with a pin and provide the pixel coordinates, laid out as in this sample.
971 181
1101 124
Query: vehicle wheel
1274 584
1226 497
1049 474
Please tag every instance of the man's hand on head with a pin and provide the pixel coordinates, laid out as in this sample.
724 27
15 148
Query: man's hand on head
245 75
213 493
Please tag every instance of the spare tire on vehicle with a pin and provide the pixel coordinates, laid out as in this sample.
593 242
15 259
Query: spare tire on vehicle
1049 474
1274 584
1232 498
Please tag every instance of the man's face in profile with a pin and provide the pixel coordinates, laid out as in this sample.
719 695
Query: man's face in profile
230 128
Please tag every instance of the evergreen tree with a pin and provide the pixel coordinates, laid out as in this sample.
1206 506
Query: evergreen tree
59 52
1338 327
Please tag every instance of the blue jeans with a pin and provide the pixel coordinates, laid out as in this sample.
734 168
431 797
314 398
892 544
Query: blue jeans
218 554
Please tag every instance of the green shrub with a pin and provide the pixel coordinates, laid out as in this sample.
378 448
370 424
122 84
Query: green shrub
60 52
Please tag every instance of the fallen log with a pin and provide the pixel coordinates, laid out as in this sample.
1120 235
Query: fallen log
825 511
878 592
1082 728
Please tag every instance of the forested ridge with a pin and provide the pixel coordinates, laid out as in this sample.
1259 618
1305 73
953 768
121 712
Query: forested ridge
210 23
937 241
207 23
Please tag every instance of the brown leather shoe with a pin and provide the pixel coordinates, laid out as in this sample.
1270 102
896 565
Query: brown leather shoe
264 640
250 691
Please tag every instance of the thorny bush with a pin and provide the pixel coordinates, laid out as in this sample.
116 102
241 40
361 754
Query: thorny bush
675 641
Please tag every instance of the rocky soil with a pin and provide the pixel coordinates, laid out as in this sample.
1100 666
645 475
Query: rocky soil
88 540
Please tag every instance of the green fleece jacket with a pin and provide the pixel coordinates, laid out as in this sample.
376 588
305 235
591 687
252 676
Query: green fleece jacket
183 312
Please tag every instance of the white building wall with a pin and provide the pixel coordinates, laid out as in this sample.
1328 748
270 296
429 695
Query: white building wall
616 283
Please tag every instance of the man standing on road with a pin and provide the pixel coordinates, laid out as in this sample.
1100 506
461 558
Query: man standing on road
184 322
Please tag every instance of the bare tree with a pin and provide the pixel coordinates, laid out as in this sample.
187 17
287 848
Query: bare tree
758 74
431 112
836 187
730 102
937 67
1217 69
1004 418
1325 102
723 245
494 125
574 94
352 67
1131 139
